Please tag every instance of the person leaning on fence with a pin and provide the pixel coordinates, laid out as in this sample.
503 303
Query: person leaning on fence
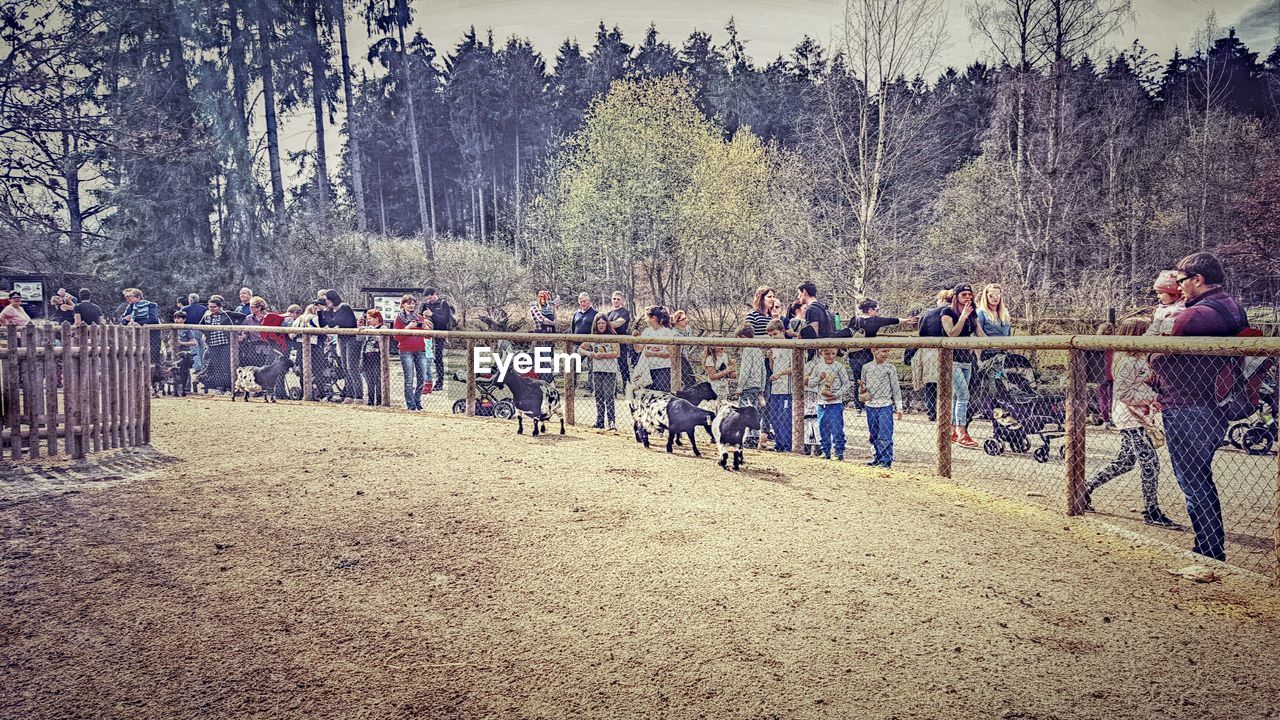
141 311
830 380
314 344
1133 417
960 320
880 387
681 326
87 311
603 355
13 315
869 322
1187 395
188 341
64 305
338 314
620 319
720 373
218 373
753 381
371 358
924 362
657 358
779 405
415 358
441 314
1171 304
583 323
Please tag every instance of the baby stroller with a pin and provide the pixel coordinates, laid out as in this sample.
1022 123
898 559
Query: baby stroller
1257 434
1018 411
326 373
488 404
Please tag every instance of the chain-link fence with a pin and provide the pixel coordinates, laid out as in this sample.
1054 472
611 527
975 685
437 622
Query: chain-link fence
1083 434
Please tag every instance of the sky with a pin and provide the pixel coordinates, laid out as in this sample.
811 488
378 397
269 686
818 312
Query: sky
768 27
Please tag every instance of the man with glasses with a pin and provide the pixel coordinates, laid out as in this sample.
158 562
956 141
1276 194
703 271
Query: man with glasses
1187 387
620 319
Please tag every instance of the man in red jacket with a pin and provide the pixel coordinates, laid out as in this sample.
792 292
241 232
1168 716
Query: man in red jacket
1187 388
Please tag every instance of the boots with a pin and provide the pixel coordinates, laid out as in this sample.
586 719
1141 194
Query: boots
965 440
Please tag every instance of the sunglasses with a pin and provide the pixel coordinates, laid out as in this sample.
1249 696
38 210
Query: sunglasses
1183 279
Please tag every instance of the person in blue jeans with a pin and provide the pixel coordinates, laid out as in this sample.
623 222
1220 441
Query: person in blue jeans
415 351
883 400
779 406
960 319
831 381
1186 393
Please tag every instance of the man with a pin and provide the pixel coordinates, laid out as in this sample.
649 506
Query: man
1187 392
245 296
194 309
441 314
620 319
86 311
870 324
817 321
340 315
64 306
584 324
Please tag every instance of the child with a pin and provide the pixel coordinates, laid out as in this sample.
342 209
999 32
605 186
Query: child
1132 415
780 390
1171 303
831 382
188 340
719 371
752 382
884 401
371 358
604 371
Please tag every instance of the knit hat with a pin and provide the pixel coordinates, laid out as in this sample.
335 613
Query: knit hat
1167 282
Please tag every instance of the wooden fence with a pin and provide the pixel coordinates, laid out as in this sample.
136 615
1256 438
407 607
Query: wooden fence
73 390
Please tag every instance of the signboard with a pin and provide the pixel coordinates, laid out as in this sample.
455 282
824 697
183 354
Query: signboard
32 292
388 305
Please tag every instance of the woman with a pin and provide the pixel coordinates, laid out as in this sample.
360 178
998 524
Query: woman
680 324
762 308
960 320
658 357
371 358
13 314
992 313
414 358
338 314
604 372
924 363
795 319
719 371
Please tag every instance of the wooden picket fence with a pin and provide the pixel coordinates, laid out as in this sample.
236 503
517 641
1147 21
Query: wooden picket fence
73 390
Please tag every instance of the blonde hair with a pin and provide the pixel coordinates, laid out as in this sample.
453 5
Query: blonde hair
1134 326
984 303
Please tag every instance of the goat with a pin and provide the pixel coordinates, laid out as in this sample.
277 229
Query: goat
729 428
260 379
168 377
697 393
683 417
537 399
650 409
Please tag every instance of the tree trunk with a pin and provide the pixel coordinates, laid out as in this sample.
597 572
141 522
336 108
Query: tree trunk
480 206
431 195
266 61
424 216
353 137
318 77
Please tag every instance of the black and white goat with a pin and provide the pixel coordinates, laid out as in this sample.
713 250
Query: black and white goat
729 429
170 377
260 379
656 411
537 399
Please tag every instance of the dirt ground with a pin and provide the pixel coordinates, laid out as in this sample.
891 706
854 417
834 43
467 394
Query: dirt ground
340 562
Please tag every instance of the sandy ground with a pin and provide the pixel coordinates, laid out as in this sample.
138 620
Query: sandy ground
333 562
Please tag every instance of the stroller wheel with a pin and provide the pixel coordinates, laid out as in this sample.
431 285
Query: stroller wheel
1257 440
1041 455
1020 443
504 409
1236 434
993 447
460 407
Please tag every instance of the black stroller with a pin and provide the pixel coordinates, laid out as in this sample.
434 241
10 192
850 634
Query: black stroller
488 404
326 374
1017 410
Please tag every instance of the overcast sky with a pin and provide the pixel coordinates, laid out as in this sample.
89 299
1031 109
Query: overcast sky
768 27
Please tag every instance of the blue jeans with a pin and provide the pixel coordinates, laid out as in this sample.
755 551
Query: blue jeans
1192 435
417 371
880 423
960 374
780 419
831 428
661 378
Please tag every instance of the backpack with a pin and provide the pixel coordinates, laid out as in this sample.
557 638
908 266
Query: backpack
1237 394
824 324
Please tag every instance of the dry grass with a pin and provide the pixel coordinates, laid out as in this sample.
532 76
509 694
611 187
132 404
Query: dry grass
333 562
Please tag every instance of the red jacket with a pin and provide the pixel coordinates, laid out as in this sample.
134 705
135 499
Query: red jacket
408 343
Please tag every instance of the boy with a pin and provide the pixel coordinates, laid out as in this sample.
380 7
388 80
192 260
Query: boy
831 381
884 402
779 405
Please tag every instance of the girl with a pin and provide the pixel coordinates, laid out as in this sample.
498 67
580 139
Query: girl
658 357
415 351
1171 303
762 310
604 372
780 390
371 358
992 313
1132 414
719 371
959 320
680 325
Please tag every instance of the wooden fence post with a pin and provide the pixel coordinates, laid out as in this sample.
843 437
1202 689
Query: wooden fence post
50 334
797 401
308 379
32 390
234 354
384 368
12 419
471 377
116 391
677 367
103 389
84 395
129 379
1077 418
93 390
943 411
570 387
145 334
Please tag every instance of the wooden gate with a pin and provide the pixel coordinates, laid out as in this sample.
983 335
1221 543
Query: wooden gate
73 390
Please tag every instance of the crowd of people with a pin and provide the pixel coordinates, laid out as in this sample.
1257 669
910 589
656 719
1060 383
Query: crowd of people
1168 400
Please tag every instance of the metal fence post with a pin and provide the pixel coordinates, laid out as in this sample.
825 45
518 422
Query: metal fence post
233 355
471 377
797 401
1077 417
570 386
943 411
1276 580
